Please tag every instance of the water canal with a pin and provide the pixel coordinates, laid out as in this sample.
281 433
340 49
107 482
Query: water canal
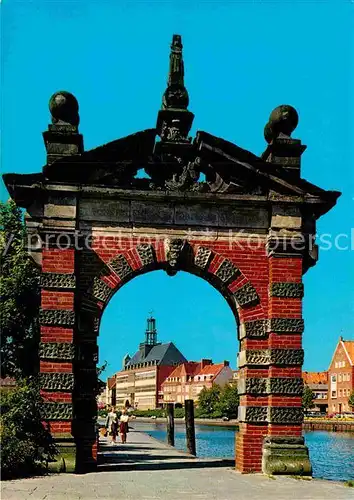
332 453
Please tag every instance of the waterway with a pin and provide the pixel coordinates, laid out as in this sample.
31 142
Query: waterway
332 453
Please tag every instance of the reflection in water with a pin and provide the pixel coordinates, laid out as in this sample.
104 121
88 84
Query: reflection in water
332 453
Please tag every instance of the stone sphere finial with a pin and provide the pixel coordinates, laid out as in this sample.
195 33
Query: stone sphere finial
64 108
283 120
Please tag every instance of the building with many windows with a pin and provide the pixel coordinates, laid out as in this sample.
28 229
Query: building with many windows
138 384
187 380
341 377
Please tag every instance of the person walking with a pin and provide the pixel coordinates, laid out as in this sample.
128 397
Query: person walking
123 425
112 424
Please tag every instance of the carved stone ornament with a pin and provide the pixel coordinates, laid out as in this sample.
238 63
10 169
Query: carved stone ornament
287 290
285 455
57 381
246 295
227 271
56 280
285 385
254 357
173 250
286 325
286 356
55 317
252 385
203 257
120 266
100 290
254 329
183 181
146 254
56 350
285 415
252 414
57 411
264 357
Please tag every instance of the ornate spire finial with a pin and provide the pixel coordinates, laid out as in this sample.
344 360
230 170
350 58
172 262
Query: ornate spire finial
176 95
174 120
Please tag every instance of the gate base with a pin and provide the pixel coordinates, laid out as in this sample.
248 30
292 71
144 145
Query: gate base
286 455
65 461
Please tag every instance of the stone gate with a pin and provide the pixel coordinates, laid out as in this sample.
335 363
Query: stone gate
244 223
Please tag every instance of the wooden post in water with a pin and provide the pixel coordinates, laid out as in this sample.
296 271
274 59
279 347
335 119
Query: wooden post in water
190 430
170 424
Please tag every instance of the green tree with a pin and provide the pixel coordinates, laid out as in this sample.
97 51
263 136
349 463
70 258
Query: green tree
229 401
208 400
351 401
20 297
307 398
26 445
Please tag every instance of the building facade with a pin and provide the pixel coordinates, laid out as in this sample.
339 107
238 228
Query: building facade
138 385
318 383
188 379
341 377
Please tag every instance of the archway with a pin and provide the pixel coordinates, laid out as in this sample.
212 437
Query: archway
248 229
187 310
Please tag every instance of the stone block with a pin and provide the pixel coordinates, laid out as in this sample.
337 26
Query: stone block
253 329
56 280
252 414
285 455
151 213
56 350
286 325
115 211
287 290
246 296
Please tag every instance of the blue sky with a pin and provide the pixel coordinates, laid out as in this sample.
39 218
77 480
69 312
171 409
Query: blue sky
242 59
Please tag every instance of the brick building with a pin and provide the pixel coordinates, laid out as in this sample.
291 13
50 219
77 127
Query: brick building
139 383
341 377
187 380
318 383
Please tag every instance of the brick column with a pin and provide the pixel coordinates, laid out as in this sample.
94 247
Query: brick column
283 450
253 365
57 320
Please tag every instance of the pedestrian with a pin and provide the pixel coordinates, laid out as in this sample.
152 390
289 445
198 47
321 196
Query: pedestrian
112 424
123 425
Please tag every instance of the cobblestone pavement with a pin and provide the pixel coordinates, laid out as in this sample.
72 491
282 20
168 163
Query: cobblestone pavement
146 469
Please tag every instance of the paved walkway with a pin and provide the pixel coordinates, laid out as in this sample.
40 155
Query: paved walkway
146 469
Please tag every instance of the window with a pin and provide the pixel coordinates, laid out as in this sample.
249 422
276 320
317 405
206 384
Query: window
340 393
334 394
334 378
336 365
340 377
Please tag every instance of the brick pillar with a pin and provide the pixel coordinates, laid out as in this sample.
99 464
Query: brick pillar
57 320
253 366
283 450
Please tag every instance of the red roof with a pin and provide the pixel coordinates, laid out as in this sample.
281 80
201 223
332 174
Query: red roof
111 382
315 377
349 347
190 368
211 369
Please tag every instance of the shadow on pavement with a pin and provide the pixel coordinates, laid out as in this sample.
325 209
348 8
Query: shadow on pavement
197 464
